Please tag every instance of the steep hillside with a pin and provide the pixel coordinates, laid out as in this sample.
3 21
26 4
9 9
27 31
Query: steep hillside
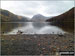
7 16
65 20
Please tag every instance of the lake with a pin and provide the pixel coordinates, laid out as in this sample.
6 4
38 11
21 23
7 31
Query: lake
30 28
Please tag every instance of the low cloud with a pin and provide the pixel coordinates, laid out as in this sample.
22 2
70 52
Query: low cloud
30 8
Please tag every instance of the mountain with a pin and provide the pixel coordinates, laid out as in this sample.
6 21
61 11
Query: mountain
65 20
7 16
39 18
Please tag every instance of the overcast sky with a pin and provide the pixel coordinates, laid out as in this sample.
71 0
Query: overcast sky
30 8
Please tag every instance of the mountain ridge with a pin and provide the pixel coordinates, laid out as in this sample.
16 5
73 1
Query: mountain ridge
7 16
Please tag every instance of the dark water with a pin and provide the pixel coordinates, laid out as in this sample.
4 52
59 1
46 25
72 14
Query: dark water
30 28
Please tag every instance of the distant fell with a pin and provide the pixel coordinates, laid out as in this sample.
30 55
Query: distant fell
39 18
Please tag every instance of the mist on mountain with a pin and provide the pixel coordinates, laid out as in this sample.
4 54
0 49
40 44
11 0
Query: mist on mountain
39 18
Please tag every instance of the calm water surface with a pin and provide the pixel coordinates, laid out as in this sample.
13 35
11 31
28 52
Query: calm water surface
30 28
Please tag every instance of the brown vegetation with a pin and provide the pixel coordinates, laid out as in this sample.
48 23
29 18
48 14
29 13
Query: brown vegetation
7 16
65 20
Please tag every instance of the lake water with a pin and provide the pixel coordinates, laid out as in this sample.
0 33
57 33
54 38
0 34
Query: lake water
30 28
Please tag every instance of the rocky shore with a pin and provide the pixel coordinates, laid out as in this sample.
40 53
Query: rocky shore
36 44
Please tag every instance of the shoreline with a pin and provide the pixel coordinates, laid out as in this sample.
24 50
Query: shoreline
25 44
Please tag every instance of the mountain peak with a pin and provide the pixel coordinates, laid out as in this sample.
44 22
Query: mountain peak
38 15
38 18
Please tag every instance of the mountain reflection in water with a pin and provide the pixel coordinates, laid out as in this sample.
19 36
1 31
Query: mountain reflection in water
30 28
